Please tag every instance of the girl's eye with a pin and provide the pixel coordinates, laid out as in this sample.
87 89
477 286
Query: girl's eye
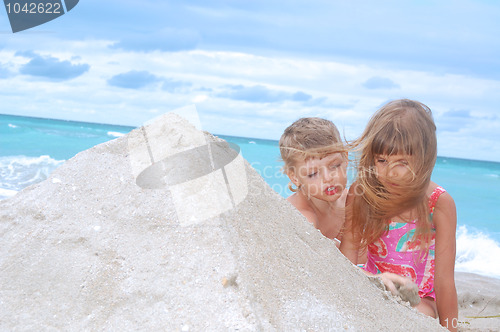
404 162
381 160
335 166
312 175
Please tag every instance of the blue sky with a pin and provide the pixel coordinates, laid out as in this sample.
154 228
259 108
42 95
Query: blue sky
253 67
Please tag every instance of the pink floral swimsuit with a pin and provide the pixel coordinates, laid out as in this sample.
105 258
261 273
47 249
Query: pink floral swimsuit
394 252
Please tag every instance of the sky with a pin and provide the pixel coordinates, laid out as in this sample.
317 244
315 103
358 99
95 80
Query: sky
251 68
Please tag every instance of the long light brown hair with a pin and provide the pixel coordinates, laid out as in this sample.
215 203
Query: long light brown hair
401 127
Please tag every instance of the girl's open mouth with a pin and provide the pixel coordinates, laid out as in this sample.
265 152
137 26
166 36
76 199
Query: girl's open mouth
331 190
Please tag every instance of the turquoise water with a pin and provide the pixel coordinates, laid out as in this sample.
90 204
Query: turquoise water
475 186
60 139
31 148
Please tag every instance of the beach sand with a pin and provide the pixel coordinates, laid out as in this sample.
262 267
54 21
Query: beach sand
478 302
117 238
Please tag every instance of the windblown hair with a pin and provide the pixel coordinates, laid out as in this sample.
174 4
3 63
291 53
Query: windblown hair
401 127
309 138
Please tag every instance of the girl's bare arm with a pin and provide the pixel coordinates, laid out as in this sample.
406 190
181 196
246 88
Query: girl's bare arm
445 221
348 245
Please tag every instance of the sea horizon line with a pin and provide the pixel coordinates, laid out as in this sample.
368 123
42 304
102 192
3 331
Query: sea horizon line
215 134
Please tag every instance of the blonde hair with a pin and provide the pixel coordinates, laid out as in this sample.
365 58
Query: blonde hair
309 138
403 127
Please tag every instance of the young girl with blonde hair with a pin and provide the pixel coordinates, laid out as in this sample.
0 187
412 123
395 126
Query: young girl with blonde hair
406 221
316 161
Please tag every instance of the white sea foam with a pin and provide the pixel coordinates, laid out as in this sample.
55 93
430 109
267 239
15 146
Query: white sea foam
6 193
12 126
115 134
477 253
18 172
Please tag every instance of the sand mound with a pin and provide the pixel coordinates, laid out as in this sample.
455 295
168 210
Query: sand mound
111 241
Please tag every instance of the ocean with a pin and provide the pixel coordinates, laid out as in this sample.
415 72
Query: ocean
31 148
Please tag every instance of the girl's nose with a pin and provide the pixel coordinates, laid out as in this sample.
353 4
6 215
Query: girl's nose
393 172
330 175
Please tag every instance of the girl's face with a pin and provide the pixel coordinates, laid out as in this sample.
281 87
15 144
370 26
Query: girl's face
321 178
391 170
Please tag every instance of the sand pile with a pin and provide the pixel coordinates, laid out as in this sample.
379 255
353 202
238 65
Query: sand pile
158 230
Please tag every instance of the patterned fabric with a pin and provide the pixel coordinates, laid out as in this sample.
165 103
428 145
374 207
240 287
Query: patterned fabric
395 252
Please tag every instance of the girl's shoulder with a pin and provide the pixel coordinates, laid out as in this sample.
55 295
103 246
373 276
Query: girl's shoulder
434 191
303 207
433 187
444 216
439 198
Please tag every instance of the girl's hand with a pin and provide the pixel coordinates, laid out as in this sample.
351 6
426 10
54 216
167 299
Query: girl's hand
349 245
393 281
339 206
338 213
401 286
340 203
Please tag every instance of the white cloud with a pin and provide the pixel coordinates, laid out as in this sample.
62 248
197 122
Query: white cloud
199 98
326 88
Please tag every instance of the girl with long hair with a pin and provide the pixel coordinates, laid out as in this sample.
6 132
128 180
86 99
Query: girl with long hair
405 221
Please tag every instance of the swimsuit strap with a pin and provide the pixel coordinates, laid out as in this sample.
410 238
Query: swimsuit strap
434 197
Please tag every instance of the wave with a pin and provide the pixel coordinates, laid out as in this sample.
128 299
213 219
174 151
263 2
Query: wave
6 193
115 134
18 172
477 253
